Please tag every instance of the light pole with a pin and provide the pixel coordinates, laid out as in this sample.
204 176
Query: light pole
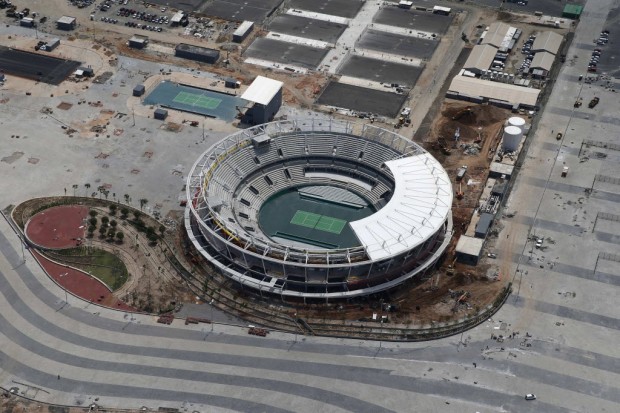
65 288
212 321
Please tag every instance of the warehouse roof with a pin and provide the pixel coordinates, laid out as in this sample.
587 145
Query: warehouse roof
494 90
495 34
262 90
421 202
469 245
198 50
547 41
481 57
66 20
543 60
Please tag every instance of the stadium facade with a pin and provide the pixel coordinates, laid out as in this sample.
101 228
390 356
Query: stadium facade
409 191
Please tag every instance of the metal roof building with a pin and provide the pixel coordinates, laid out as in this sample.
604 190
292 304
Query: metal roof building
468 249
262 90
138 41
243 31
267 95
572 11
200 54
516 95
66 23
547 42
542 60
480 58
418 208
496 34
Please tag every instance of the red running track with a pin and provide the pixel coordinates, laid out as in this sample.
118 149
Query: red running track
58 227
62 227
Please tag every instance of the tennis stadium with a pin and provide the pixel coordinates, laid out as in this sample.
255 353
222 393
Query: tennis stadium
319 210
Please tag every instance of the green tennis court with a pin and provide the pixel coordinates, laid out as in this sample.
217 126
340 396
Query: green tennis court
320 222
195 99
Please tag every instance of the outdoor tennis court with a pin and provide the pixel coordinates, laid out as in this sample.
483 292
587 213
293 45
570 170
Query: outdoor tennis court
320 222
193 99
196 99
310 222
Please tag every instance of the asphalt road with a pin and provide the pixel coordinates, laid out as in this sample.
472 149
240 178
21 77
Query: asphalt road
565 298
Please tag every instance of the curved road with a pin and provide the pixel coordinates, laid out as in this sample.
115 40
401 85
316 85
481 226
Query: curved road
565 300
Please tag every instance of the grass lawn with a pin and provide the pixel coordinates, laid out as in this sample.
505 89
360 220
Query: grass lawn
104 265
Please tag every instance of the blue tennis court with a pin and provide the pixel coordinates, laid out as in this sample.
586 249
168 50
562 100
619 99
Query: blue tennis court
195 100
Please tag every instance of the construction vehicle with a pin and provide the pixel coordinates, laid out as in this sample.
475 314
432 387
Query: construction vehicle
577 103
558 136
564 171
593 102
459 193
450 269
443 147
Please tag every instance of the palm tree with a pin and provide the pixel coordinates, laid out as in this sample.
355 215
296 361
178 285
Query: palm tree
127 198
74 186
86 186
143 203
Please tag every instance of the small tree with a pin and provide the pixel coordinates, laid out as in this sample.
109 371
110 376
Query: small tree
120 236
137 215
153 238
150 231
112 209
92 213
91 229
111 233
105 220
113 223
93 222
102 231
124 213
162 229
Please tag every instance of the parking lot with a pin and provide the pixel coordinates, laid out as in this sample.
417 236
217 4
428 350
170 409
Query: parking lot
286 53
362 99
307 28
546 7
390 43
342 8
380 71
415 20
239 10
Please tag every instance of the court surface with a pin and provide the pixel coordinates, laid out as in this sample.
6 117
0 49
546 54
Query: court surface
291 218
320 222
196 99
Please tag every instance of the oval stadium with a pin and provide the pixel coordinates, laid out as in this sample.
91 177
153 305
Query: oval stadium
319 210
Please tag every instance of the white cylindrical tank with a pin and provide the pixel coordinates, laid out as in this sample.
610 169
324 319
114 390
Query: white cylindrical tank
512 138
518 122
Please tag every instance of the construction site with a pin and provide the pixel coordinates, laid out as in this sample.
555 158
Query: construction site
466 137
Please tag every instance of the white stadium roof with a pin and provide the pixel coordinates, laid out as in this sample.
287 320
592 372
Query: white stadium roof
262 90
421 202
